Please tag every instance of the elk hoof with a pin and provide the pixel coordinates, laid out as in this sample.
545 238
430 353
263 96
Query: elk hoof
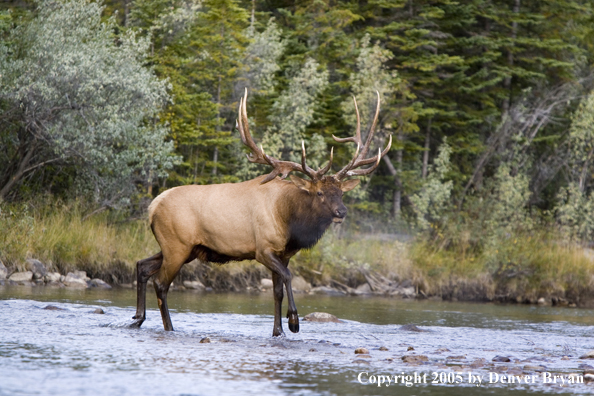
137 323
294 323
278 333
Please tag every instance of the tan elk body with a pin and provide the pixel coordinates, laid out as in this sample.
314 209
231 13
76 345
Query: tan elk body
268 219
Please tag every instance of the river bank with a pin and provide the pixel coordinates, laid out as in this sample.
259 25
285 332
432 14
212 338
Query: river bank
254 278
529 269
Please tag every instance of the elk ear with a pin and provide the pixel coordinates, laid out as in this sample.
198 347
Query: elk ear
301 183
349 185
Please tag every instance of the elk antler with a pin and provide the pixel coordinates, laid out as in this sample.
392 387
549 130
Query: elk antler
282 168
362 149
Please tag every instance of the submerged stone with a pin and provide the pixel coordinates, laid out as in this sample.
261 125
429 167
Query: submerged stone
53 308
414 358
99 283
412 327
321 317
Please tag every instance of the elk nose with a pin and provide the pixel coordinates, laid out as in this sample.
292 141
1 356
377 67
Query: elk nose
340 212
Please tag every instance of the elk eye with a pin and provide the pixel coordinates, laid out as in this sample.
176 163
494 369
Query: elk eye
320 194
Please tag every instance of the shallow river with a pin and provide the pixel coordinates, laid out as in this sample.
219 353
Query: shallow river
73 351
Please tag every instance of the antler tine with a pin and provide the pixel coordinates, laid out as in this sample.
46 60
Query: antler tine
325 169
371 128
362 149
281 168
376 159
357 138
306 169
315 175
341 173
257 155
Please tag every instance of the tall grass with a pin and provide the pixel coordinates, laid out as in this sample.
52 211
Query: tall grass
59 235
347 259
522 268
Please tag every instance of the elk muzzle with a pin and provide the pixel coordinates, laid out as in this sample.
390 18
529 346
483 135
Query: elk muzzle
339 214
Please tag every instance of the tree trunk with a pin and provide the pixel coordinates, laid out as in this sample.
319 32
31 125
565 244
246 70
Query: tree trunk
395 171
21 170
510 62
215 156
126 12
426 152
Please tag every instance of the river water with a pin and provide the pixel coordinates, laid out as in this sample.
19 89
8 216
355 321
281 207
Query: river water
72 351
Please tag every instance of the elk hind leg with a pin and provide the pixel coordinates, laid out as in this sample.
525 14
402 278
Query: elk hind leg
172 263
144 270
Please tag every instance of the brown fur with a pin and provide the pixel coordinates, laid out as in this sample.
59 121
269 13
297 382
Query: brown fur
230 222
266 219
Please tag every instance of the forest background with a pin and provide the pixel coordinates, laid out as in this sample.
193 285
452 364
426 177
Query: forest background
486 193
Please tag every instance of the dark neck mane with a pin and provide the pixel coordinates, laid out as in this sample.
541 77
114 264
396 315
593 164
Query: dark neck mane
306 226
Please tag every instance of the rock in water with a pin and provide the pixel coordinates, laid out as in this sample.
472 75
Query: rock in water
414 358
266 284
99 283
362 351
72 280
99 311
26 276
300 285
330 291
194 285
82 275
53 308
321 317
412 327
588 355
52 277
37 267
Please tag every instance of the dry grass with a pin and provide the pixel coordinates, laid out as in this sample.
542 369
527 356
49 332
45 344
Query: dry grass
521 268
346 259
58 236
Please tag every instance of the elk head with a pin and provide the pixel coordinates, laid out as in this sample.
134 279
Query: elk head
325 190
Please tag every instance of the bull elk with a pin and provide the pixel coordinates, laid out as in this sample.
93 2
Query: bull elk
267 219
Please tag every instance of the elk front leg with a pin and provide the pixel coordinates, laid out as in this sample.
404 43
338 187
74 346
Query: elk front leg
277 289
281 276
144 270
